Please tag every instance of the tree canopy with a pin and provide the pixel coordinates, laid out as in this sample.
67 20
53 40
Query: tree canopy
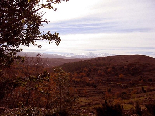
20 22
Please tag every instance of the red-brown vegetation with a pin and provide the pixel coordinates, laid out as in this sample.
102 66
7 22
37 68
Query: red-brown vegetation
78 86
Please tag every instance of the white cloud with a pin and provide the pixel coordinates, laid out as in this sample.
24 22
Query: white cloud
114 9
71 10
122 14
111 26
113 43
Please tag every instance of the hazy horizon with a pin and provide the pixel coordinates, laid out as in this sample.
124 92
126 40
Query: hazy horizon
120 27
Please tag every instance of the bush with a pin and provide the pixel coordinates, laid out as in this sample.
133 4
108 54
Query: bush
138 109
125 96
62 113
151 109
109 110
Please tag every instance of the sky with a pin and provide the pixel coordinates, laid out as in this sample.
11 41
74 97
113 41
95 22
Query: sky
120 27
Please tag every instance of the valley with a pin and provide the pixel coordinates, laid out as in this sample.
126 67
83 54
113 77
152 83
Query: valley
126 80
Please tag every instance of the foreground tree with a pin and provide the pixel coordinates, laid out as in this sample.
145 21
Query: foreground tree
20 22
64 92
51 92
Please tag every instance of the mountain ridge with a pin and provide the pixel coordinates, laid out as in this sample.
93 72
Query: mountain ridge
65 55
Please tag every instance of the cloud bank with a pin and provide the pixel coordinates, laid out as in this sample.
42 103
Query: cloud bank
110 26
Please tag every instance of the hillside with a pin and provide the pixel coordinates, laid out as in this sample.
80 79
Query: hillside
48 62
123 79
129 65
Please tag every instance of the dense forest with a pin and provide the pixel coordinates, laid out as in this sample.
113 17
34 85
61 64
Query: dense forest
110 86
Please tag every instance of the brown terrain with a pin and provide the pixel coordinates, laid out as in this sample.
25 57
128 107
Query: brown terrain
123 79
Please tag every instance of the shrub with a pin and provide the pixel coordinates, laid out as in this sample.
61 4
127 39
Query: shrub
151 109
61 113
138 109
125 95
109 110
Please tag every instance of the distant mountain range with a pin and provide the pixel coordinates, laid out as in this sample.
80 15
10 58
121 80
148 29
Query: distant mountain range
65 55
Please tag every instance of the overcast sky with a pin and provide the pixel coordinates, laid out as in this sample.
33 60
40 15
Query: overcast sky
102 26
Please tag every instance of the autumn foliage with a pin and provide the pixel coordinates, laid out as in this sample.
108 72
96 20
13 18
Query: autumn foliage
79 88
